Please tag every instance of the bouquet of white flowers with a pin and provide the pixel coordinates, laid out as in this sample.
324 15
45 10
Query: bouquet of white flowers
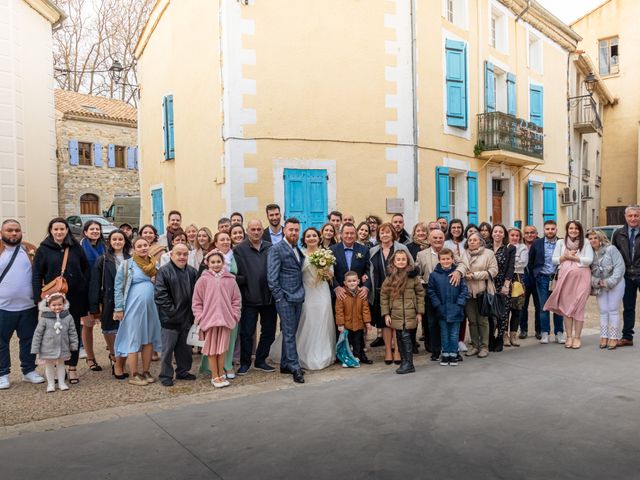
323 260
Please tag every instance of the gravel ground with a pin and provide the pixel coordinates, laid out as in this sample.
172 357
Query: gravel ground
25 402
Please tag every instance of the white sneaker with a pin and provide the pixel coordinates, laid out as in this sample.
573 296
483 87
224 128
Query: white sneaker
83 353
221 384
545 338
33 377
230 375
561 338
462 347
51 388
4 382
62 386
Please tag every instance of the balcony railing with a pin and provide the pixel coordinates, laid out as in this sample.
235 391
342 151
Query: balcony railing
587 119
586 174
499 131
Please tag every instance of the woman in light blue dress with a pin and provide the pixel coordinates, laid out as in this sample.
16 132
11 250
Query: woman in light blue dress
135 307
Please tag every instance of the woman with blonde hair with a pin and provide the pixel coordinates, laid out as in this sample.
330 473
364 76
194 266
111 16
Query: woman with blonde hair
192 232
204 239
419 239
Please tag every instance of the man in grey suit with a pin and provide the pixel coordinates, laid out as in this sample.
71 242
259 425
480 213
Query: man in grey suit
284 277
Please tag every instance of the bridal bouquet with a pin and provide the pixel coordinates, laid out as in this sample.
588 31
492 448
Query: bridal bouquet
323 260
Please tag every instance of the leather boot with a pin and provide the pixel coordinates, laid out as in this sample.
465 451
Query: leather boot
405 345
506 340
492 342
514 339
498 342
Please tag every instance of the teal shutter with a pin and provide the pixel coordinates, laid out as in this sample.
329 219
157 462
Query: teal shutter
489 88
157 209
97 154
442 192
472 197
549 202
167 128
131 158
530 203
536 105
456 83
135 151
305 194
511 94
73 152
111 155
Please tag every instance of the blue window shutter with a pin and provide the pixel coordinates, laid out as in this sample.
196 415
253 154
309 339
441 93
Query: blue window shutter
536 102
489 88
549 202
171 148
97 154
111 155
511 94
530 203
456 83
135 151
165 129
442 192
73 152
472 197
157 209
131 158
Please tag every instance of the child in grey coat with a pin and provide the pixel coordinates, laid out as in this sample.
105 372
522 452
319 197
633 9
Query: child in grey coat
55 338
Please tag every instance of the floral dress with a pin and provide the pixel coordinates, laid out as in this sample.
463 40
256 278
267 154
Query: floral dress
505 256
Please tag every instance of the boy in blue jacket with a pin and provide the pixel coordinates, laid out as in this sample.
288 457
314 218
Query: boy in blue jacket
448 302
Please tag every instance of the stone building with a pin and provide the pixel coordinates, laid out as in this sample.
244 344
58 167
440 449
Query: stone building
97 152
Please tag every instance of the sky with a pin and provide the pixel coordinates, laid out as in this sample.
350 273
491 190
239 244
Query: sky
570 10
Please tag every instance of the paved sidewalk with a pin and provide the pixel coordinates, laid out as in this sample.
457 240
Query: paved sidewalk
544 413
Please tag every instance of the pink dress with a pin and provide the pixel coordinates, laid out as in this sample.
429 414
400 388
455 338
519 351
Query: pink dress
570 295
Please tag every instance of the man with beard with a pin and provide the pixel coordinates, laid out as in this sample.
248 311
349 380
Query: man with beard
18 312
274 233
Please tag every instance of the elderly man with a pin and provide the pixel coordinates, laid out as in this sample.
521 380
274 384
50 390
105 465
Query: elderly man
173 292
251 258
18 312
626 241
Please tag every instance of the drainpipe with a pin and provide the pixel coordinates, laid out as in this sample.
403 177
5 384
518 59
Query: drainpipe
526 9
414 102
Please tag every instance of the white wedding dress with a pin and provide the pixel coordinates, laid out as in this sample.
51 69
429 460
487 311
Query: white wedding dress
316 336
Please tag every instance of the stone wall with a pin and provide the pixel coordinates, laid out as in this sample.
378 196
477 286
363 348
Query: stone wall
76 180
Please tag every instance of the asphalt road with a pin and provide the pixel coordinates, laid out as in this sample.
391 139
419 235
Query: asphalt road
545 412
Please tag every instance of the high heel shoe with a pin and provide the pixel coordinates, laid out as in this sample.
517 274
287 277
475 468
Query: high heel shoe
603 343
569 342
577 343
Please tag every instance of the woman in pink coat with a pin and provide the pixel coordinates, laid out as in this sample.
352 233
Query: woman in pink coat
216 307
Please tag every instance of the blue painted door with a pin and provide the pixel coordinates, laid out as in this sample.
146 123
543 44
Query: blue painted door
305 196
549 202
157 206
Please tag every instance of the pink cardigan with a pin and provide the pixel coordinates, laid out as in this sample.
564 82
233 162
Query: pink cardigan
216 301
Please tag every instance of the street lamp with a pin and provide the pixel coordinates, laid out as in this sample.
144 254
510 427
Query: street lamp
115 71
590 82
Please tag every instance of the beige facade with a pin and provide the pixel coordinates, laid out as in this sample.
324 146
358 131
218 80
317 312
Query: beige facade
97 152
27 136
611 37
260 96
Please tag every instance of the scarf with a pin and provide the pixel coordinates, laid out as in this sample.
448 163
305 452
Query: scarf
146 265
422 244
477 252
170 233
92 252
571 244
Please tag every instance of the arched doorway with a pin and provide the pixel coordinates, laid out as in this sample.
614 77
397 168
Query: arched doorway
89 204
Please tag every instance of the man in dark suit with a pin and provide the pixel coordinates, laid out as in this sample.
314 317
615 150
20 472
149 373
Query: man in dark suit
284 277
273 233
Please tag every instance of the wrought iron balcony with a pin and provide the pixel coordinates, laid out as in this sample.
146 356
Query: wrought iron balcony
586 119
499 131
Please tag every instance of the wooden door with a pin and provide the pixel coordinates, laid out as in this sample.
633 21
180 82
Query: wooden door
89 204
497 207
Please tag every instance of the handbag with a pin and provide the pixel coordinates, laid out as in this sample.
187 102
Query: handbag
491 304
517 289
58 284
552 283
193 338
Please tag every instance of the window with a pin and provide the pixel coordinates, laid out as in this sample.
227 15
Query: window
492 31
608 56
456 83
452 196
455 11
450 10
498 30
85 156
535 53
121 155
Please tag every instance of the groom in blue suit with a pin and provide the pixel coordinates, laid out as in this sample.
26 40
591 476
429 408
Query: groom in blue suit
284 277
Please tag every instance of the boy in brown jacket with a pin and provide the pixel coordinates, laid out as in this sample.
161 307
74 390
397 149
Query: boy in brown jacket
353 313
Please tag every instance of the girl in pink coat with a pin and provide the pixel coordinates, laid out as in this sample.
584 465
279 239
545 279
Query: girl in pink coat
216 307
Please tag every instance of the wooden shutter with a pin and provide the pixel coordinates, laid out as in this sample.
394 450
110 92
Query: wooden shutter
536 105
511 94
472 197
168 128
456 83
73 152
97 154
530 203
549 202
131 158
111 155
489 88
442 192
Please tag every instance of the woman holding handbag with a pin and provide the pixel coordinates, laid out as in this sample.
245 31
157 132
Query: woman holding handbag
517 286
478 266
505 256
60 263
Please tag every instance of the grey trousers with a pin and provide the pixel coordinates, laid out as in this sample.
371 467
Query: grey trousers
174 342
478 325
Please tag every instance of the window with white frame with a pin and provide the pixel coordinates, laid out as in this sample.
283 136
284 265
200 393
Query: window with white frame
535 52
501 89
585 156
455 11
498 29
452 196
608 56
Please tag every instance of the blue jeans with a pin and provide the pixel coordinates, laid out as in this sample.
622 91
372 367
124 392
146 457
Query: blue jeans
289 319
542 284
631 287
23 323
530 292
449 332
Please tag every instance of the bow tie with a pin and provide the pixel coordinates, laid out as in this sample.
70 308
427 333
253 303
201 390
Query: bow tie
348 249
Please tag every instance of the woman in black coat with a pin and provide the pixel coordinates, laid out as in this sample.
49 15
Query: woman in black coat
101 301
47 265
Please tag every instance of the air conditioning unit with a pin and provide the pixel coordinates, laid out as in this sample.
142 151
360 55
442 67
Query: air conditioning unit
586 192
565 196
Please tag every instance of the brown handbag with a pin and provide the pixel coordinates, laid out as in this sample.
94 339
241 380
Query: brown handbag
58 284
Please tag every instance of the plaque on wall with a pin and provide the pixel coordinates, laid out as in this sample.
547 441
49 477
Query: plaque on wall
395 205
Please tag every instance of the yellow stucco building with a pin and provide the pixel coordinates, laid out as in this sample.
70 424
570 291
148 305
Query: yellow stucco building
611 35
429 107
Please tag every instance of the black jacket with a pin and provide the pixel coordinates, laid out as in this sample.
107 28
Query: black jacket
620 240
359 264
536 257
266 236
173 294
252 273
47 265
103 277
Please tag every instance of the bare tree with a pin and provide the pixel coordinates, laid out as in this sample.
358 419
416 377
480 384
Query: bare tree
95 34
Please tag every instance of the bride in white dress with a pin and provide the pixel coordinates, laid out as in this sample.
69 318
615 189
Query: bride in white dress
316 336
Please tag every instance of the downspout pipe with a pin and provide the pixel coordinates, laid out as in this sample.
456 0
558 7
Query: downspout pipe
414 94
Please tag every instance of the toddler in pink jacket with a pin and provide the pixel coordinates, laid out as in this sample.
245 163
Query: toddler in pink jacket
216 307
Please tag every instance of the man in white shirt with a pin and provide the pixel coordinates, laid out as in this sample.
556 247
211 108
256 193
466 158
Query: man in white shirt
18 312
